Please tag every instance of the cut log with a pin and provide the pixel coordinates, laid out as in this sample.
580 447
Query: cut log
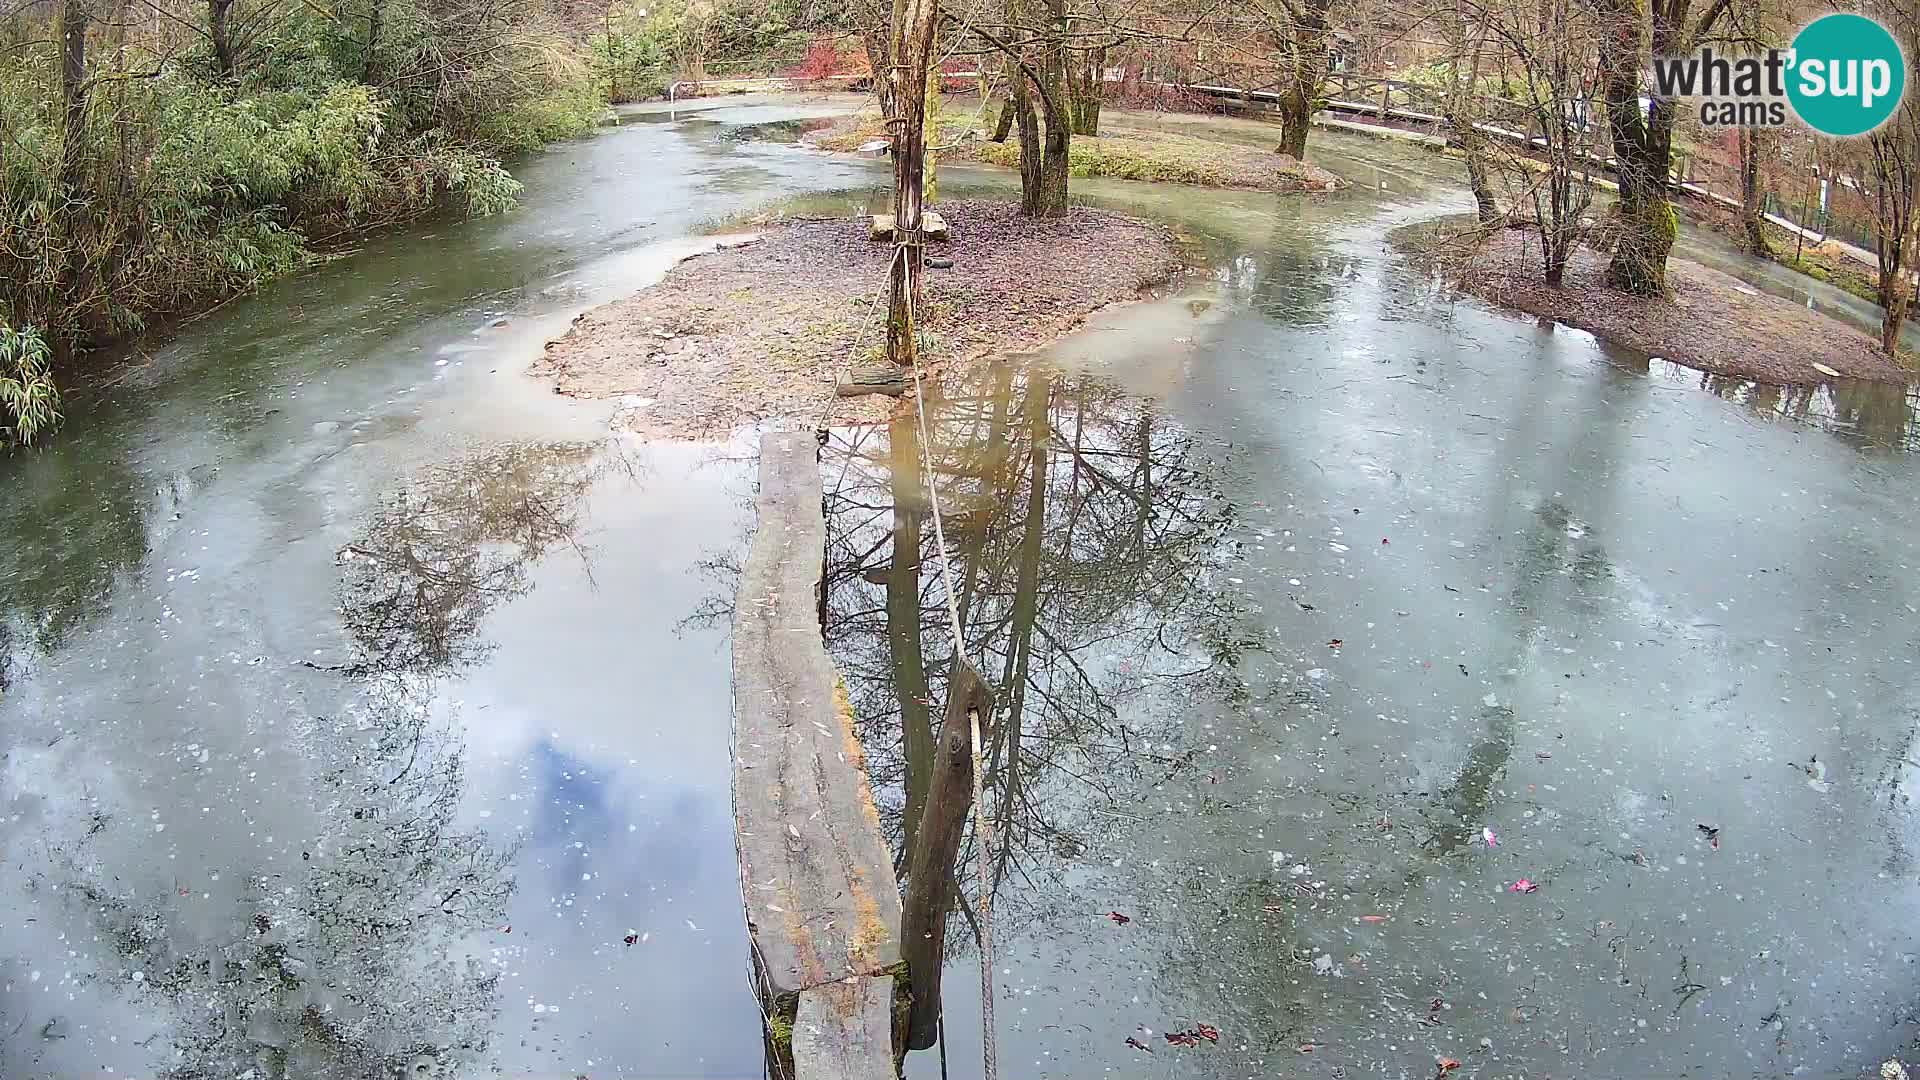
822 900
886 379
881 226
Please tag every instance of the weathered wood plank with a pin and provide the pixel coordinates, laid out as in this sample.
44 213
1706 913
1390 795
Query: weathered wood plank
822 900
844 1031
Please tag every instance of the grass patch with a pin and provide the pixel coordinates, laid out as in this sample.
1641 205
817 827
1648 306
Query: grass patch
1119 157
1823 262
1119 152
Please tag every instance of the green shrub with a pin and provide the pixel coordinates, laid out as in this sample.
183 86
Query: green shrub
566 111
29 402
629 66
185 185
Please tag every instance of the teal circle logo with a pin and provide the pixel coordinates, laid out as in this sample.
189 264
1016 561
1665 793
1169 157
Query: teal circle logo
1847 75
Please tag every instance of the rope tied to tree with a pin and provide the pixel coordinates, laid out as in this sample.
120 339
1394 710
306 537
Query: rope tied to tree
982 828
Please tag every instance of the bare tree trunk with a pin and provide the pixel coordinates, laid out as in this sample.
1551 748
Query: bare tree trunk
1750 202
1642 152
1487 207
613 53
930 877
912 48
376 25
1296 113
1086 82
1891 321
930 167
1016 85
880 58
1895 152
1003 124
1305 75
1022 104
73 214
220 31
1050 200
694 63
1463 116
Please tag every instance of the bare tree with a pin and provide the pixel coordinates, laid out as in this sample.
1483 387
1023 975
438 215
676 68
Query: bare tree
1893 156
1299 30
1279 46
1549 49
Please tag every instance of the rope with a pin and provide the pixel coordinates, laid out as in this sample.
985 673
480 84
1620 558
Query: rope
982 830
873 310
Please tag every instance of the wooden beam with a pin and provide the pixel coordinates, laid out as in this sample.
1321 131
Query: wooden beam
822 901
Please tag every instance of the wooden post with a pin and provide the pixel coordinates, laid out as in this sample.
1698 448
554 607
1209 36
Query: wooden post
913 23
930 884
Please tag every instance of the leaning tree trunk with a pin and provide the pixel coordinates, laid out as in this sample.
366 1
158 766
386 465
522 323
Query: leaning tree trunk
1750 204
1009 110
1003 124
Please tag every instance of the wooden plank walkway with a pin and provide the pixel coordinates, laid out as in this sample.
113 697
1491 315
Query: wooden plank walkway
823 905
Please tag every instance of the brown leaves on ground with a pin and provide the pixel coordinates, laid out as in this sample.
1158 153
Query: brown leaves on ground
1711 320
1193 1035
762 331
